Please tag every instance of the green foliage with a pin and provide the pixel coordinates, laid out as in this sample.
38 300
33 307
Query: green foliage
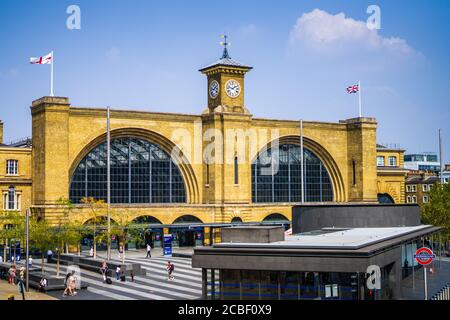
437 210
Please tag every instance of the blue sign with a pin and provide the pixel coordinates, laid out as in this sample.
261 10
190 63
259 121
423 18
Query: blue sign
167 245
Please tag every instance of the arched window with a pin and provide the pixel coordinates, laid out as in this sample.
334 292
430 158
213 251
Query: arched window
276 176
141 172
11 199
385 198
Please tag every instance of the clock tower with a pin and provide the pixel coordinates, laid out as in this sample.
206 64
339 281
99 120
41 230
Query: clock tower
226 83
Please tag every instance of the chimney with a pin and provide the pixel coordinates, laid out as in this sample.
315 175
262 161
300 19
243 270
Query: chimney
1 131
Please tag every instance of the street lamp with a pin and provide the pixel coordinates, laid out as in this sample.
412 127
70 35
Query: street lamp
27 233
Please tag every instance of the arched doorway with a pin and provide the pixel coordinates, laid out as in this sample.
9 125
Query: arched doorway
100 225
385 198
150 233
278 218
186 232
236 220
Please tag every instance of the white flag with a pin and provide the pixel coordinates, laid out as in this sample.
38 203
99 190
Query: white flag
47 59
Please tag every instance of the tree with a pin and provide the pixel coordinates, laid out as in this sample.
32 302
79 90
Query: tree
42 235
13 227
65 231
437 210
97 210
121 228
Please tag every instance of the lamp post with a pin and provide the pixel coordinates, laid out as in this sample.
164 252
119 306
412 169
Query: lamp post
27 234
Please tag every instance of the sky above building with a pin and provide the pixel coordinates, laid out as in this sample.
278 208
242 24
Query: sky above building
145 55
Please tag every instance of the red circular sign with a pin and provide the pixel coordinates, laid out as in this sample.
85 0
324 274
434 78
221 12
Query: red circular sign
424 256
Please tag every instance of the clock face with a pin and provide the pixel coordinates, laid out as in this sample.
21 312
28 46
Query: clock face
233 88
213 89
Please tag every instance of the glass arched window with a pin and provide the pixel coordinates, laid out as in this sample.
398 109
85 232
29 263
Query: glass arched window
276 176
141 172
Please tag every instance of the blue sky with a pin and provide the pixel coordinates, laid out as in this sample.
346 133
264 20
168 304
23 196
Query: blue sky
145 55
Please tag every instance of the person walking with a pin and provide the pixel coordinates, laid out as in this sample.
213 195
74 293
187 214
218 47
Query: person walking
30 261
20 284
12 274
91 252
49 255
104 270
67 290
73 283
170 268
149 251
118 273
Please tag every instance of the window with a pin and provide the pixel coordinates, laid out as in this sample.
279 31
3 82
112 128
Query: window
392 161
408 188
414 188
413 199
430 186
408 199
380 161
207 174
12 167
11 199
425 199
141 172
276 176
424 188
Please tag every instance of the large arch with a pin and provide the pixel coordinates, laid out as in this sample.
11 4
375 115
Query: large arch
339 193
385 198
187 172
146 219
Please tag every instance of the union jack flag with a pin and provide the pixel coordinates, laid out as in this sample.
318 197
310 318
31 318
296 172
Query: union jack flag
353 89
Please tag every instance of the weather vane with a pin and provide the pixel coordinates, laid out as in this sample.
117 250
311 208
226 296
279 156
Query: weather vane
225 44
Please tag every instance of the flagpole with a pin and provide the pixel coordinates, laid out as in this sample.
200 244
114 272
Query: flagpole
108 179
359 91
51 77
301 163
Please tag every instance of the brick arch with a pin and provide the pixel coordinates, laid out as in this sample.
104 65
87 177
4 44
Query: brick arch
189 178
333 170
387 188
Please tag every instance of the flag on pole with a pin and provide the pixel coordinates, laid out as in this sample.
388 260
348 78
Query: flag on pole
47 59
353 89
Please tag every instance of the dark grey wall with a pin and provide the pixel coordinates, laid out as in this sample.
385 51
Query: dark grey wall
260 234
307 218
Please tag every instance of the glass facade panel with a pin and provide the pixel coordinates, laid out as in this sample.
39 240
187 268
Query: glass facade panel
269 285
276 176
140 173
230 284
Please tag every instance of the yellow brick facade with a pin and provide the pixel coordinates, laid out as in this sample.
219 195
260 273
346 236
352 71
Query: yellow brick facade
63 135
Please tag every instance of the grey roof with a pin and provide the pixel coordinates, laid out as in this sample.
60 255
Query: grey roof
419 179
226 61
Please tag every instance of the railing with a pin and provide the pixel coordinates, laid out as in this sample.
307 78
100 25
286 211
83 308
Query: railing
443 294
390 145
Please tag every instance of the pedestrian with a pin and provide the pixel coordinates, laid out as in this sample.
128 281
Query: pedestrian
12 274
42 284
104 270
122 276
67 290
91 252
49 255
30 261
132 275
21 288
73 283
1 259
118 273
149 251
170 268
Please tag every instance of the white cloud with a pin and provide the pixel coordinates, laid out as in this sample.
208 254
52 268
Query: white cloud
322 31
